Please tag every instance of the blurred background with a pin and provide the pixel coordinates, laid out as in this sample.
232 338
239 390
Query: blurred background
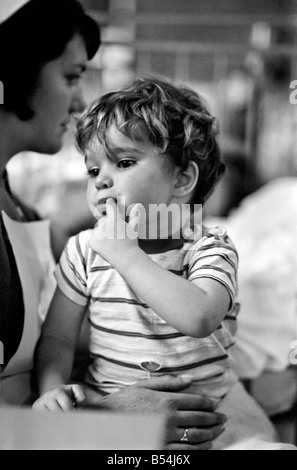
241 55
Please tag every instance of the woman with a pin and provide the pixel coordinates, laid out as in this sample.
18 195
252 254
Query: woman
40 73
47 45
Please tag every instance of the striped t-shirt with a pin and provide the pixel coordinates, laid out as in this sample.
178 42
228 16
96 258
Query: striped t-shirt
129 341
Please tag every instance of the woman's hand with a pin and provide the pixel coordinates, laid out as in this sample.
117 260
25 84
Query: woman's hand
64 398
184 411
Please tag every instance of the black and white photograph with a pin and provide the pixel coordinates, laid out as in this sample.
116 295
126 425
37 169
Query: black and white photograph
148 227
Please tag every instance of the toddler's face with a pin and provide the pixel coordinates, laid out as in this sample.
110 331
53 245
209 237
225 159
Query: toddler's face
132 171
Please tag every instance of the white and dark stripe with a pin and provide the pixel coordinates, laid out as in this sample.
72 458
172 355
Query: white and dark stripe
126 333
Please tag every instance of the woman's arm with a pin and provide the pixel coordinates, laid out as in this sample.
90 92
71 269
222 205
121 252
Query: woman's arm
54 356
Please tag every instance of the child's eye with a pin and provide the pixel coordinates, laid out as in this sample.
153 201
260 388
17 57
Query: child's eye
126 163
93 172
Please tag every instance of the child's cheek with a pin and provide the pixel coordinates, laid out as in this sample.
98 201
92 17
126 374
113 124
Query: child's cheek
91 201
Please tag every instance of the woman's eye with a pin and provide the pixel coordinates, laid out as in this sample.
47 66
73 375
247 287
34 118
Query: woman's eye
126 163
73 79
93 172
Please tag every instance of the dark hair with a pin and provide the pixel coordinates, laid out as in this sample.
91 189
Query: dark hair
174 119
38 33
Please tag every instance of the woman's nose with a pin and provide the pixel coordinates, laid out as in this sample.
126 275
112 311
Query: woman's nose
78 103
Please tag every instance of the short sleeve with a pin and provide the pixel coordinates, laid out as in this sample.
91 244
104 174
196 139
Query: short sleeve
215 257
71 272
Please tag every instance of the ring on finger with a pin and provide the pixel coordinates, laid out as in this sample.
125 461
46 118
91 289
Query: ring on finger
185 437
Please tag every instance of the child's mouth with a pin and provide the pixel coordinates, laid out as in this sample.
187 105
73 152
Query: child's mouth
100 209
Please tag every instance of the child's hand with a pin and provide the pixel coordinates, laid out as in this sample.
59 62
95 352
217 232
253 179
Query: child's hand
64 398
113 236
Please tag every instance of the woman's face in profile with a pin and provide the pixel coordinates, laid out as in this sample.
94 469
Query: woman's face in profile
57 95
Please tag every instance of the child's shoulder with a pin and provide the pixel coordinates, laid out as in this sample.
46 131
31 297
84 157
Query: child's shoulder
78 248
211 238
79 243
215 234
82 238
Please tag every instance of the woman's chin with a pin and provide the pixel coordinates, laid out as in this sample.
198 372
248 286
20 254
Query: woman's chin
51 148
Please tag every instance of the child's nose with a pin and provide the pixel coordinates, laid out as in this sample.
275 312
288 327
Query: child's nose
103 181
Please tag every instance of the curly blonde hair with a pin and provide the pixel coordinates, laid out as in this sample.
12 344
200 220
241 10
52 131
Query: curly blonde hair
173 119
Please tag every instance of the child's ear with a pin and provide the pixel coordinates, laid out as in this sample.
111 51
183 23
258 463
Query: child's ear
186 180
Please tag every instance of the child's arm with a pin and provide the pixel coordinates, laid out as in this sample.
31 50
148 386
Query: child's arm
55 355
194 308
